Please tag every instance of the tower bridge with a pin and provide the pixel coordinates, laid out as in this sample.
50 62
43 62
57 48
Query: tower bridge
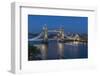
46 31
60 33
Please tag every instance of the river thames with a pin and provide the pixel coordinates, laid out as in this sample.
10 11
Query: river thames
58 50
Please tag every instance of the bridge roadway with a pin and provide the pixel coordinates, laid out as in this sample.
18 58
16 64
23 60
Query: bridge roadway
41 39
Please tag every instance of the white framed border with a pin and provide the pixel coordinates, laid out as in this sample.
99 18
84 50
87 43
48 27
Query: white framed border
17 43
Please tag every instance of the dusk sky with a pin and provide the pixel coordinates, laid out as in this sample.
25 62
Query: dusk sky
72 24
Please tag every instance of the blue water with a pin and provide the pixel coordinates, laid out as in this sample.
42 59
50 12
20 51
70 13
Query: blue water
57 50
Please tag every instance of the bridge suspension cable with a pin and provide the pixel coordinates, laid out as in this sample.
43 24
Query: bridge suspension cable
37 37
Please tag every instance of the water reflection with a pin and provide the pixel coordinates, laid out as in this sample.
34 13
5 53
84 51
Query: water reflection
44 49
72 50
57 50
61 50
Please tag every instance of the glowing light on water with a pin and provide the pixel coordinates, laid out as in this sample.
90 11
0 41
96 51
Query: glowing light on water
60 49
44 49
74 43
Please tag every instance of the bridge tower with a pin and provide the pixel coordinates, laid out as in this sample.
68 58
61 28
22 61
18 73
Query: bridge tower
62 33
45 33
